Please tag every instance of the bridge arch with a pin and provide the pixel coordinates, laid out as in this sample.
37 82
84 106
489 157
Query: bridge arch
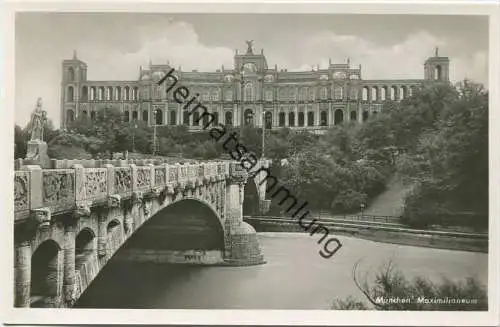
184 226
46 274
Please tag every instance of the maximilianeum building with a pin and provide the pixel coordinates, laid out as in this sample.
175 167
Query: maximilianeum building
311 100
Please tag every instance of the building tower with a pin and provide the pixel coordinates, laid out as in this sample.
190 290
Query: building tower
437 68
74 73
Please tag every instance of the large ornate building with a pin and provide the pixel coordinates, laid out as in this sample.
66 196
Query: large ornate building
311 100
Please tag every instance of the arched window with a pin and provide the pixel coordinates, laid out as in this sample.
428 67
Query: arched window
71 74
70 117
118 93
85 93
71 94
92 93
159 117
375 94
248 117
339 116
249 92
383 93
310 118
268 120
145 115
126 116
196 118
323 118
100 93
134 115
126 93
291 119
437 73
173 117
109 93
281 118
84 113
365 93
365 115
403 93
185 117
353 115
228 118
393 93
92 115
135 93
301 119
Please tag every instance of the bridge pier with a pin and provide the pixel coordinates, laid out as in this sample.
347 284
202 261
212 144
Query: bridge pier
69 279
22 274
242 246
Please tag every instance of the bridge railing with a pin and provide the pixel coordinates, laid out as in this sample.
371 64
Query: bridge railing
62 189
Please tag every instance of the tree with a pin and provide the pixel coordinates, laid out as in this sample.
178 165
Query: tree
20 142
449 164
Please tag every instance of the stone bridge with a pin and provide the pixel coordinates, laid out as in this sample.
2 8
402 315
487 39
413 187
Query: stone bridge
72 219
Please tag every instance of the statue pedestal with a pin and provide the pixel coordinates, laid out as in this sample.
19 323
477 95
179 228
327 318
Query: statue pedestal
37 154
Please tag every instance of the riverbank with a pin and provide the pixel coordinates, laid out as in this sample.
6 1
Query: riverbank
402 236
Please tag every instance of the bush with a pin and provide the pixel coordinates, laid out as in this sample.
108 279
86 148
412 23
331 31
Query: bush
390 283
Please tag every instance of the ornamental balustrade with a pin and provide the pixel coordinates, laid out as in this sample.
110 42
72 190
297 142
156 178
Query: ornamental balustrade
61 190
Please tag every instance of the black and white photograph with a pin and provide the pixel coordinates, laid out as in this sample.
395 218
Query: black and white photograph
207 157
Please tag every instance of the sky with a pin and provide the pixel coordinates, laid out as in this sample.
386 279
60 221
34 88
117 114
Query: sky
115 45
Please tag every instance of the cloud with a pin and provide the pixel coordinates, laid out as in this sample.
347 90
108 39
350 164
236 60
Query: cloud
178 44
403 60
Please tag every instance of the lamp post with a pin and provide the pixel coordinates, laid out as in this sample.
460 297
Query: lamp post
154 131
242 114
263 133
134 127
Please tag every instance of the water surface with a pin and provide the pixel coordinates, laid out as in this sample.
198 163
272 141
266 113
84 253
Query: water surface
295 276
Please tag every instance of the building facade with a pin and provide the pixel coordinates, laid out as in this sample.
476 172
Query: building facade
249 93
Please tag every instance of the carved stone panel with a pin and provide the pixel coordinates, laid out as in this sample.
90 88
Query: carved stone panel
95 183
172 174
143 177
58 188
123 180
21 191
160 177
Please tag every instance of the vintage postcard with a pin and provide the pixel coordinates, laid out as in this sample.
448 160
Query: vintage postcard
251 163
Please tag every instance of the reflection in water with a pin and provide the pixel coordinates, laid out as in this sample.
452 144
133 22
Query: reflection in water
295 276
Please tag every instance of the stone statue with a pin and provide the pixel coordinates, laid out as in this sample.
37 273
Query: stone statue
249 44
37 149
38 120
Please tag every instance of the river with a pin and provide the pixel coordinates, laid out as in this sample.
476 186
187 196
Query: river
294 277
